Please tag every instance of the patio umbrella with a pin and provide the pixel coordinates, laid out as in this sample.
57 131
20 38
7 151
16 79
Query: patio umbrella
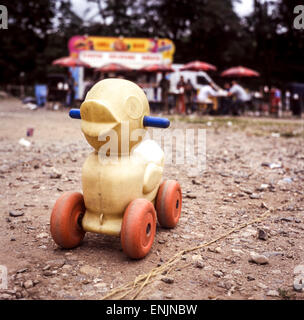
239 72
198 66
69 62
113 67
157 68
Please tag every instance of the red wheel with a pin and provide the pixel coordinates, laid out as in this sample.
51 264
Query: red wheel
138 228
169 203
66 229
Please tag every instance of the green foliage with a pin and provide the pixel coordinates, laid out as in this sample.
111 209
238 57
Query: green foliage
208 30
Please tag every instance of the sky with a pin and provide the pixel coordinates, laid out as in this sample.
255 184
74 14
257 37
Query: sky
243 8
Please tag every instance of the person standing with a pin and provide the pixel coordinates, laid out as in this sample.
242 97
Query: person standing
164 85
181 108
241 98
71 91
189 91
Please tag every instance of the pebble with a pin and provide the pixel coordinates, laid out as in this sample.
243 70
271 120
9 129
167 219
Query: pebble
237 251
88 270
262 235
191 196
47 267
255 196
262 285
55 175
167 279
218 250
57 263
272 253
237 272
101 287
16 213
262 187
199 264
42 235
258 258
218 274
273 293
28 284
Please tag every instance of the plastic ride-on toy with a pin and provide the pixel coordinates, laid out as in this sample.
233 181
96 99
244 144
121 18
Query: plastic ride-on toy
123 197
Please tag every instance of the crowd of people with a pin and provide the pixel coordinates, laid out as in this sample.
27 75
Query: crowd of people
232 99
207 97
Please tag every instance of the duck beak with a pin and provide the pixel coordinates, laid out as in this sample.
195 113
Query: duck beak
96 118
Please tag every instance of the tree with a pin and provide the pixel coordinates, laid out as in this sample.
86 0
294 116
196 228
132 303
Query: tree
25 39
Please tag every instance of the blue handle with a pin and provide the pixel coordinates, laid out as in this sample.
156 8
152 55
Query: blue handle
75 114
147 121
156 122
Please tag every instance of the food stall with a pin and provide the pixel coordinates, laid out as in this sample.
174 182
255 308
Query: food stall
133 53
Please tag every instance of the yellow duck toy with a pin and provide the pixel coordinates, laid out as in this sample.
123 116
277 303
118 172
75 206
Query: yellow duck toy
122 177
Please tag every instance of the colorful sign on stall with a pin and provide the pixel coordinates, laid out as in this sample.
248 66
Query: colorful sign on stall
132 52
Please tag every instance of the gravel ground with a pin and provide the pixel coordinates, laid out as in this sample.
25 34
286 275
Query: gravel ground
254 166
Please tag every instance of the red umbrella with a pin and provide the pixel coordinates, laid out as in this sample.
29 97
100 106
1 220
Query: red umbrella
198 66
113 67
70 62
239 72
157 68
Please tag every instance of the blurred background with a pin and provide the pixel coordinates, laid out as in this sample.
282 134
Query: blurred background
256 34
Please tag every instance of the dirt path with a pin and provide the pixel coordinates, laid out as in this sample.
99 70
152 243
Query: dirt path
236 187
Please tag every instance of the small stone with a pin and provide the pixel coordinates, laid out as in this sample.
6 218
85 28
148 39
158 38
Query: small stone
273 293
5 296
272 253
247 191
57 263
66 267
218 250
191 196
167 279
90 271
276 271
237 251
22 270
161 241
237 272
262 187
262 286
28 284
47 267
42 235
199 264
250 278
101 287
264 205
258 258
287 219
255 196
262 235
218 274
16 213
48 273
55 175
